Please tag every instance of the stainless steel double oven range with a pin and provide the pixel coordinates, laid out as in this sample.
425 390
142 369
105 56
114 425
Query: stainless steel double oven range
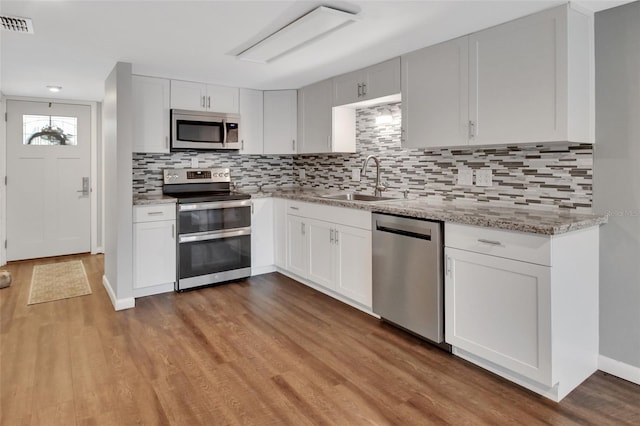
214 227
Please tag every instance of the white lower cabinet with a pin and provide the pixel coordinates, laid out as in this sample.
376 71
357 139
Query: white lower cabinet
154 249
280 232
331 253
262 243
519 305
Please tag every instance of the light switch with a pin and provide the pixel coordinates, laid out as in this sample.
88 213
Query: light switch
355 175
465 176
484 177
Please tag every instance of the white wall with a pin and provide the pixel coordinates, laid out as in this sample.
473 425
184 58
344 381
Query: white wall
616 189
117 126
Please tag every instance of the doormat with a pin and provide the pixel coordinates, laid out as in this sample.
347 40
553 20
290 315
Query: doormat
56 281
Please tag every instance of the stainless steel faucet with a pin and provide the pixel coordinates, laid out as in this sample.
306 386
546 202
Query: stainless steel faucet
379 187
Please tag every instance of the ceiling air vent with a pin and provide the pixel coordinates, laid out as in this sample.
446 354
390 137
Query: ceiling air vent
17 24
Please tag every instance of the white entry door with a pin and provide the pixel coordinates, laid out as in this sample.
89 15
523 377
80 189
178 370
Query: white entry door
48 188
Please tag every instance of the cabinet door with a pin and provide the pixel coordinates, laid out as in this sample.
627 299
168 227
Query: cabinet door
321 263
314 105
517 80
435 101
382 79
262 233
352 248
500 310
280 232
347 88
154 253
297 246
222 99
188 95
251 121
150 114
280 121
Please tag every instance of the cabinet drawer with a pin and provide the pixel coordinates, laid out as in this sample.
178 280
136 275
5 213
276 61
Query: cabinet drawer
508 244
338 215
154 213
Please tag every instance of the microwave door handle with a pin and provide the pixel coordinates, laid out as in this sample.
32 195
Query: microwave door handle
224 129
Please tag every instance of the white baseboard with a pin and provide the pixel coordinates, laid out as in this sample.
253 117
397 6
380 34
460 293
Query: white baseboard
118 304
619 369
156 289
259 270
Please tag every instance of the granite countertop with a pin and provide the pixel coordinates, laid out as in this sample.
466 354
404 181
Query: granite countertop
536 221
546 222
143 200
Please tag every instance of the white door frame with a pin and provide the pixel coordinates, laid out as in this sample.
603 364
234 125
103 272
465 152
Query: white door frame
95 191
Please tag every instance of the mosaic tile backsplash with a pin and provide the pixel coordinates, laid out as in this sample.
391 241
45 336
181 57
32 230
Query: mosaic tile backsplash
541 176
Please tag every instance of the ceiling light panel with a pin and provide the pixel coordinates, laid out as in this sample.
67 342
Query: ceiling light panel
16 24
312 26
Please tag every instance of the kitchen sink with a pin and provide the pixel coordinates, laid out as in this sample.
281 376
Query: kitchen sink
354 196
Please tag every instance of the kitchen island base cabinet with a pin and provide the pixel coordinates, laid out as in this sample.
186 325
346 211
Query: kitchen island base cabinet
154 249
524 306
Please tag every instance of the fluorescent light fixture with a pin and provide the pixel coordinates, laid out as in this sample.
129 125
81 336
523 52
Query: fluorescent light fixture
54 88
306 29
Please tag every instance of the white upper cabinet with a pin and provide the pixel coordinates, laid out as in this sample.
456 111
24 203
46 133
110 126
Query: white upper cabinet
435 99
323 128
151 114
372 82
251 121
528 82
314 117
280 121
204 97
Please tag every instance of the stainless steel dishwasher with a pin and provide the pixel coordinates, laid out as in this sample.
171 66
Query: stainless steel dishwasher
408 286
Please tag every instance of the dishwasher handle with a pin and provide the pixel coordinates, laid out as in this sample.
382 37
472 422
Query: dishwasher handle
407 231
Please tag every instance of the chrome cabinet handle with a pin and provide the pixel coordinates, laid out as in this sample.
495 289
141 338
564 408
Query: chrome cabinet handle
364 89
293 145
472 129
331 236
335 236
208 101
359 89
203 104
166 141
448 266
242 145
173 231
252 208
294 208
491 242
154 213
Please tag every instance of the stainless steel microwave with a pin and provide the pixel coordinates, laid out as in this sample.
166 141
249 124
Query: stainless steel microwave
202 130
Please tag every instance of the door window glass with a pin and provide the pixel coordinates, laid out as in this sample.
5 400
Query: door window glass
49 130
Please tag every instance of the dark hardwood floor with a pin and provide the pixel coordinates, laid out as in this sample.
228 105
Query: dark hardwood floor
264 351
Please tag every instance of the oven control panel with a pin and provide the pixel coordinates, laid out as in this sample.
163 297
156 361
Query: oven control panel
178 176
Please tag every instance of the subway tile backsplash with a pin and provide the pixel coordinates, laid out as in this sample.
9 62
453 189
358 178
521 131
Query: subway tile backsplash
541 176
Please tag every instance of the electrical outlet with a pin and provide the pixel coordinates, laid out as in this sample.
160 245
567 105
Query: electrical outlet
194 162
465 176
484 177
355 175
302 174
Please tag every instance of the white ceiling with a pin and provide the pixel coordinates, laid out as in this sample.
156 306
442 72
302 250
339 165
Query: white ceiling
77 43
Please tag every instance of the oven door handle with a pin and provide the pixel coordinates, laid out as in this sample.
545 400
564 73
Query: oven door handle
206 236
214 205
